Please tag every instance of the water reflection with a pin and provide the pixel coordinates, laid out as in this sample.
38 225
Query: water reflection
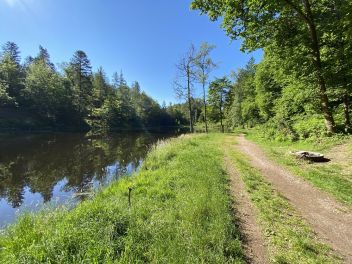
35 169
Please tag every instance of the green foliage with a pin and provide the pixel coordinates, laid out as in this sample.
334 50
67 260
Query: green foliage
10 77
5 99
217 96
181 212
306 43
43 90
241 107
268 84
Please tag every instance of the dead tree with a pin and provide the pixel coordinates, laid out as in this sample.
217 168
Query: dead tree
185 77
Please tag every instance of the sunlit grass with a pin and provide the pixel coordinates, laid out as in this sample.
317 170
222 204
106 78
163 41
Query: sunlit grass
180 213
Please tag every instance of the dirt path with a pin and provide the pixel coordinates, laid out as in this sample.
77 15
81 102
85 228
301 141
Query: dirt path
331 221
252 240
341 155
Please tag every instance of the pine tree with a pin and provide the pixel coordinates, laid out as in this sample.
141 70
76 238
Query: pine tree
79 72
11 74
44 56
11 49
101 87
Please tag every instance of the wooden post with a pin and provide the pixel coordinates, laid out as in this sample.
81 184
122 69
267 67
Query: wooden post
129 196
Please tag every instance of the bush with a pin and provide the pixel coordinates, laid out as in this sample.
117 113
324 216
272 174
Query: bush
309 126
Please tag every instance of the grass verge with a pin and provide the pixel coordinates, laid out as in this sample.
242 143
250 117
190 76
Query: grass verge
329 177
180 213
290 239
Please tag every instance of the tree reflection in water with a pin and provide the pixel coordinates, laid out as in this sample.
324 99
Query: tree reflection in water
40 162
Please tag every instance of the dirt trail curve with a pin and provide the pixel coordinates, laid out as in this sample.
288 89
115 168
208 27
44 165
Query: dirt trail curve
331 221
252 240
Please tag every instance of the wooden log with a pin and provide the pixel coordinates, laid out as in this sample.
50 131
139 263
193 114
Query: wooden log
308 155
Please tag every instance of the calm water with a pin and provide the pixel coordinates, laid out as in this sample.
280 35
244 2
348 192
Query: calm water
55 169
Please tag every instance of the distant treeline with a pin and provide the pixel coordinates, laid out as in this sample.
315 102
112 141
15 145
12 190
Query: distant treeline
34 94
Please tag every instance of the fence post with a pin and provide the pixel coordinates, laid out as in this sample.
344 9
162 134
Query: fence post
129 196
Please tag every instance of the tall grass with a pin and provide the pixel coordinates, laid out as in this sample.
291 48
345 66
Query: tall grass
180 213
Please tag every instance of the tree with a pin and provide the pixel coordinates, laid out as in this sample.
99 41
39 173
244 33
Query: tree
5 99
11 49
185 77
287 25
218 91
205 65
79 72
118 80
101 87
268 82
43 90
337 53
241 108
11 75
44 56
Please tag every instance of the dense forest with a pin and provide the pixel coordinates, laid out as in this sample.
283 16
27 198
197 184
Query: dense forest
36 95
303 85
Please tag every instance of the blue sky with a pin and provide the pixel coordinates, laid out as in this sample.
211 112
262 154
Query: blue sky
143 38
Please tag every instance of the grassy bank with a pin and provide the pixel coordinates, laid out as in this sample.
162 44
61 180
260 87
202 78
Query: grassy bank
290 240
180 213
334 177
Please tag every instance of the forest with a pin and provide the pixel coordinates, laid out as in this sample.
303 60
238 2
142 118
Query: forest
36 95
303 85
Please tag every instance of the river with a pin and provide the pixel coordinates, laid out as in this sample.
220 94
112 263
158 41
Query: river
40 170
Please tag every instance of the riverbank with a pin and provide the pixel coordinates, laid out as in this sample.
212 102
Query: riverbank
180 212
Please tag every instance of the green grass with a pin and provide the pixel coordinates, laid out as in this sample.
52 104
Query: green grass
290 239
180 213
329 177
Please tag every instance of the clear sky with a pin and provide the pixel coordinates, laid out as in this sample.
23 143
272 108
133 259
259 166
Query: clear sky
143 38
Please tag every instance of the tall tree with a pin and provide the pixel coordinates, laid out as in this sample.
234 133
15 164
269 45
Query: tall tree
205 65
337 52
44 56
118 79
218 91
285 24
79 71
44 92
11 49
185 77
101 87
11 74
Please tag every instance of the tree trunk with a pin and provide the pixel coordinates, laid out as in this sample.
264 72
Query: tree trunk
189 99
324 101
205 109
346 102
221 115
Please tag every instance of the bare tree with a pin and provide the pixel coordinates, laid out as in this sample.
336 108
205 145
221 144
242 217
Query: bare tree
204 66
185 77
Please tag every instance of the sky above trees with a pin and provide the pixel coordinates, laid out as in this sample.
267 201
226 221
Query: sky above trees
144 39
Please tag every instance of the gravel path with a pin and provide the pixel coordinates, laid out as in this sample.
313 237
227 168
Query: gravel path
331 221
